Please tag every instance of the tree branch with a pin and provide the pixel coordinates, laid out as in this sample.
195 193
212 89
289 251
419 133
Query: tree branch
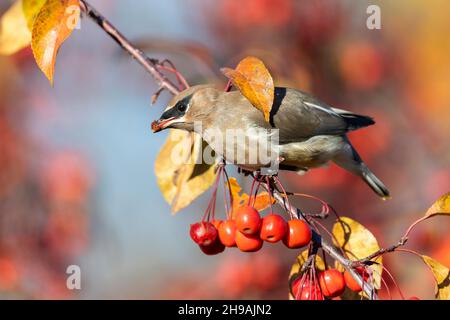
151 65
369 290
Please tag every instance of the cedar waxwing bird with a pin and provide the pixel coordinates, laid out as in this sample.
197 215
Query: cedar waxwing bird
310 133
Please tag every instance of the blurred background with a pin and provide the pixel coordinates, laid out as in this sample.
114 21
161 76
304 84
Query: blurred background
76 161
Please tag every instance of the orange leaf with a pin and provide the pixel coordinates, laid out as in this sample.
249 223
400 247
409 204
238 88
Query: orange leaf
235 187
31 9
240 198
262 201
52 26
254 81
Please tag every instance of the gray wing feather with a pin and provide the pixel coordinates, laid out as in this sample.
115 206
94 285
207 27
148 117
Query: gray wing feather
300 116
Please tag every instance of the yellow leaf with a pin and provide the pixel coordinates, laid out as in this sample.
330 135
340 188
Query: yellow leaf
358 243
14 33
255 83
298 264
31 9
440 207
442 276
180 178
52 26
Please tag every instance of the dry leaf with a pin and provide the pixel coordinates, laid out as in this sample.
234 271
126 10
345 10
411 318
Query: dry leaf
298 264
52 26
440 207
180 179
358 243
14 33
442 276
255 83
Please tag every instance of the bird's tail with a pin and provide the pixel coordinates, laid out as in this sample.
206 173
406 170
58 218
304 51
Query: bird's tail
349 159
374 183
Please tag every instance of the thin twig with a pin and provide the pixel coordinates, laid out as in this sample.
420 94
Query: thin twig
380 252
151 65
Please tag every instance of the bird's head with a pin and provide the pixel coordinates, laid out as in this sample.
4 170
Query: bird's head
186 108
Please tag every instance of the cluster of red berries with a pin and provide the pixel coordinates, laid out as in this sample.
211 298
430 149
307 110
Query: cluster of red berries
329 283
248 231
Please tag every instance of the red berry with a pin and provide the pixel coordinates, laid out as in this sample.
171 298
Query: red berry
227 233
217 223
273 228
296 284
298 235
203 233
213 249
307 291
310 291
248 242
332 283
351 283
248 220
413 298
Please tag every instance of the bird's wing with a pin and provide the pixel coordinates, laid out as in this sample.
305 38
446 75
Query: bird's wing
298 116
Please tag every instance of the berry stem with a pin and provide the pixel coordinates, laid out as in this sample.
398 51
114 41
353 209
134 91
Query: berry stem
330 249
269 190
277 180
394 282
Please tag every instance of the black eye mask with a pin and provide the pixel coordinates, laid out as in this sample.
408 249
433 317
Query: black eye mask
178 110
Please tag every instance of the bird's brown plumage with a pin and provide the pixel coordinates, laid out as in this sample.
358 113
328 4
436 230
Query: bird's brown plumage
311 133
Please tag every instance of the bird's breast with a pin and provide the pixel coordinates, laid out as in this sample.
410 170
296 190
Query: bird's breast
248 147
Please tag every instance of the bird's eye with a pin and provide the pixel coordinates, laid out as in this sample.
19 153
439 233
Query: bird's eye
182 107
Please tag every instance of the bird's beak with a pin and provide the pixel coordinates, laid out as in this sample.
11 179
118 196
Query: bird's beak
161 124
